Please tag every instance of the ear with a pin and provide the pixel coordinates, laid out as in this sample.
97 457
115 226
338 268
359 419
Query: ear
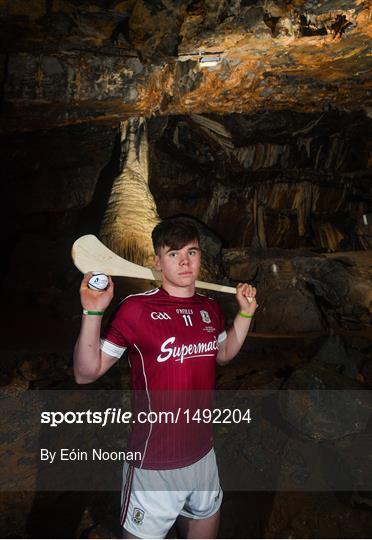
157 263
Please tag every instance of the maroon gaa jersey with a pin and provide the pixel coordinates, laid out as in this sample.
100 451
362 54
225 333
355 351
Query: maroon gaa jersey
172 346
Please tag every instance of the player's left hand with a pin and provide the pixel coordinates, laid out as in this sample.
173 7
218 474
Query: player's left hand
246 297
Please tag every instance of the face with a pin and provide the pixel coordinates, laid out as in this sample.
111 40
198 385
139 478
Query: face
179 267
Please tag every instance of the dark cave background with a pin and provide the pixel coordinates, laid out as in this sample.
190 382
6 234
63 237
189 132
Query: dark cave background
57 185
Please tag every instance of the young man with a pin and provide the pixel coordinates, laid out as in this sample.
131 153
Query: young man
174 337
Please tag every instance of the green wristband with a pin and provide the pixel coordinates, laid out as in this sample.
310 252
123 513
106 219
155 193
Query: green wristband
245 315
89 312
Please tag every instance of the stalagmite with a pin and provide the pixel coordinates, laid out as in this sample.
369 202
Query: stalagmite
131 211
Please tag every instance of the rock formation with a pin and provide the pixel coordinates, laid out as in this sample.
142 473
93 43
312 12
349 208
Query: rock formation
74 61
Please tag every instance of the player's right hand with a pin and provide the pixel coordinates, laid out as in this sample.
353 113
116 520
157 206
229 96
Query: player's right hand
95 300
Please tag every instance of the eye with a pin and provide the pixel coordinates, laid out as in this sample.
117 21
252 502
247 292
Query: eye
192 252
173 254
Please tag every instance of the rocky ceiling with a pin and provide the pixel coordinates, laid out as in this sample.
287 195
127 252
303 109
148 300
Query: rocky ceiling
68 61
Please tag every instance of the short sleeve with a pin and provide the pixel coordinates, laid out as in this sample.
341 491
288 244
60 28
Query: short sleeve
120 332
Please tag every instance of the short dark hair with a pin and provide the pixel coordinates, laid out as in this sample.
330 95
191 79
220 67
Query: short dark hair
174 233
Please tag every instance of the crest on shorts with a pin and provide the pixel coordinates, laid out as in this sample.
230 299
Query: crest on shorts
138 515
205 316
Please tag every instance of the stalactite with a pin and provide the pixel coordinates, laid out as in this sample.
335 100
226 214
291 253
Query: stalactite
261 226
259 203
214 127
305 143
302 203
262 156
215 131
329 236
336 153
131 211
315 194
220 196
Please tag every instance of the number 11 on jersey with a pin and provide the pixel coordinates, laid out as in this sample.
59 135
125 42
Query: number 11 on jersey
187 319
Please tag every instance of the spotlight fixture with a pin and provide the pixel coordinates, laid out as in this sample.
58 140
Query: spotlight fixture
205 59
209 61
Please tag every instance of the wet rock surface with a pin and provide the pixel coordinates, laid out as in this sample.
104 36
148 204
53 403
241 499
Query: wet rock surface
142 58
304 291
316 405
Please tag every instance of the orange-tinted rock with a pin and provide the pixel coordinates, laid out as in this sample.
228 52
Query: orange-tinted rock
141 58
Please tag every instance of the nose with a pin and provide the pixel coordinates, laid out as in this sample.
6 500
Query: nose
184 260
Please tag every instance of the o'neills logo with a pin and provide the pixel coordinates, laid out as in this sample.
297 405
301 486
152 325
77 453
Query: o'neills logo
184 352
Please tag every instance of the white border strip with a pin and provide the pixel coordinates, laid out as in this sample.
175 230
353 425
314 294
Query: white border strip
111 348
148 397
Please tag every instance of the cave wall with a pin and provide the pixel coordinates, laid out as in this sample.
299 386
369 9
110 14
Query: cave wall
272 179
273 188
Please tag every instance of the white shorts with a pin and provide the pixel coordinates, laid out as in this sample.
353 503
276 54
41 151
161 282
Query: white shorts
150 513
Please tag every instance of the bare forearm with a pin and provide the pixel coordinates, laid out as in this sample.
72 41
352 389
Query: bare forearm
87 353
236 336
88 357
246 297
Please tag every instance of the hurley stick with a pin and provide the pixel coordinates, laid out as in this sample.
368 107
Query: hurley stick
90 255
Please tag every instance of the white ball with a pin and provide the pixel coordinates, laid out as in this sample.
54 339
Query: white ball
98 281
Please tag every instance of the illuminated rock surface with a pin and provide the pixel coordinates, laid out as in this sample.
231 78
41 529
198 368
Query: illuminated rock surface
71 61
